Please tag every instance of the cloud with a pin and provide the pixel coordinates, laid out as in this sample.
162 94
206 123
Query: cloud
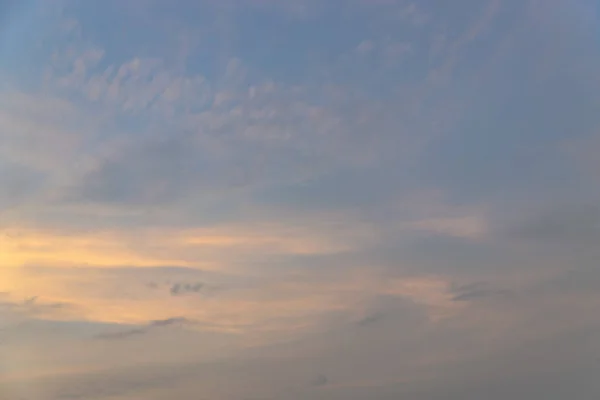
477 290
371 319
143 330
398 359
256 305
263 114
371 202
123 334
181 289
169 321
560 224
144 174
32 307
222 247
319 380
42 247
41 132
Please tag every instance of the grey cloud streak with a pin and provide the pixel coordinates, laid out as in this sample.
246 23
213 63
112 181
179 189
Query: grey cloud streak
561 224
178 289
478 290
177 321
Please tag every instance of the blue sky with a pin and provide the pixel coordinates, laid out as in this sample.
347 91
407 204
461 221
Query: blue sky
260 199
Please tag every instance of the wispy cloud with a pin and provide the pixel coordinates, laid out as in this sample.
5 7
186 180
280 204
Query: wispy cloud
144 329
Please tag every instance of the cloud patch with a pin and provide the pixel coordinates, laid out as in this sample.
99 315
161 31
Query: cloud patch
180 289
175 321
478 290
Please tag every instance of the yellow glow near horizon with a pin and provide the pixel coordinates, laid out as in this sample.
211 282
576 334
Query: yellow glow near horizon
155 247
44 249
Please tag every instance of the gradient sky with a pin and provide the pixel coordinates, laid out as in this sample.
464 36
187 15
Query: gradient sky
309 199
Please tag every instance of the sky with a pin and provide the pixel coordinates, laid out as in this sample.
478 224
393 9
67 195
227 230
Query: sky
304 200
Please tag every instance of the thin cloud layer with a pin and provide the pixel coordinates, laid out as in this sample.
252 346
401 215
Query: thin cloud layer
264 200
